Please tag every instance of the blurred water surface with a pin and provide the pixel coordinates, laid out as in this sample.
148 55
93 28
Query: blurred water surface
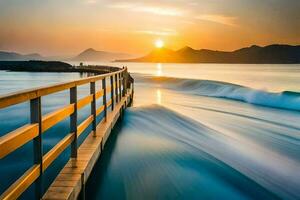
205 131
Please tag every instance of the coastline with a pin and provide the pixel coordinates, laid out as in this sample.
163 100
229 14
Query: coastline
53 66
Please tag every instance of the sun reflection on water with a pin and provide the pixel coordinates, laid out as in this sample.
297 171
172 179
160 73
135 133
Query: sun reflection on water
158 96
159 69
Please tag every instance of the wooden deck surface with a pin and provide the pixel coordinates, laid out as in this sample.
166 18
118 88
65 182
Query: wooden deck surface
72 178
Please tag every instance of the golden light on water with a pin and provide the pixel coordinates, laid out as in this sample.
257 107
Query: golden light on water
159 44
159 71
158 96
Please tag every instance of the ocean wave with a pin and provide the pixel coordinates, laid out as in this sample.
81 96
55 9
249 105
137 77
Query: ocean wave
262 165
284 100
161 153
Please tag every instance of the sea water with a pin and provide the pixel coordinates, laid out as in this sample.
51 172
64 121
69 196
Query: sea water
195 131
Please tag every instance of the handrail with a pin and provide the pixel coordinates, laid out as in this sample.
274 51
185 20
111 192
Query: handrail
25 95
120 85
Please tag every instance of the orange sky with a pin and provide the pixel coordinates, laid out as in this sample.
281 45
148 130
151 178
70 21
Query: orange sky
67 27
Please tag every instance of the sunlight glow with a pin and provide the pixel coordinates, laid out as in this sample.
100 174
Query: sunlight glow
159 44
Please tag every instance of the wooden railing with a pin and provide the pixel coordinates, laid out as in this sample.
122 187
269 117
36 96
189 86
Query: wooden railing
120 85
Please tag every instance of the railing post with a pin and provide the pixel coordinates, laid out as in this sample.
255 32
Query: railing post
126 81
112 92
93 105
120 87
116 89
36 117
82 195
73 121
104 98
124 87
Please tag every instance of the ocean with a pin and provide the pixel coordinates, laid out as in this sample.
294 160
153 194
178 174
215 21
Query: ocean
195 131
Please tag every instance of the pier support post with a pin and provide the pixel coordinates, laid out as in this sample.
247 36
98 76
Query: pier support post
82 195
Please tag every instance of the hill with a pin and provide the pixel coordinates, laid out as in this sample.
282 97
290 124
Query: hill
53 66
93 55
12 56
36 66
272 54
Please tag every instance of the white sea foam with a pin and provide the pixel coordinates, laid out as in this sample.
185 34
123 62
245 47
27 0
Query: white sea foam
285 99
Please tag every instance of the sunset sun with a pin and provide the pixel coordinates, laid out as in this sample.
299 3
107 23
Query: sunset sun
159 44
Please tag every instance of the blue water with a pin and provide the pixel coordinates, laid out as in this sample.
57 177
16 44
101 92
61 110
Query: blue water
168 163
16 163
178 142
209 137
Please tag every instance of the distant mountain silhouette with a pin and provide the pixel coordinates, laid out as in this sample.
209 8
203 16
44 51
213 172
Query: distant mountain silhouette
12 56
272 54
93 55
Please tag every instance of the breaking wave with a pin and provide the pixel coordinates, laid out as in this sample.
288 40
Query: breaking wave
284 100
161 154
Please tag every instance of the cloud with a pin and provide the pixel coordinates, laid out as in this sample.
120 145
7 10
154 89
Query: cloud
220 19
165 32
90 1
167 11
187 22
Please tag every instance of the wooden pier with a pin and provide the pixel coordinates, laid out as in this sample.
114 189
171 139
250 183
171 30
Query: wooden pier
70 183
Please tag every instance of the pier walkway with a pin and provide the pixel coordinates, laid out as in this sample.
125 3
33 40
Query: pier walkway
70 182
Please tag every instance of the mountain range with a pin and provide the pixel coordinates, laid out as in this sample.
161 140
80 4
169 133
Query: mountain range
93 55
87 55
12 56
272 54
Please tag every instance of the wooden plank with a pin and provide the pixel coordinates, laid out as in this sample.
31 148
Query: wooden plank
53 118
99 94
88 153
16 189
57 150
100 110
104 128
67 177
108 88
109 102
84 125
17 138
84 101
58 193
25 95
